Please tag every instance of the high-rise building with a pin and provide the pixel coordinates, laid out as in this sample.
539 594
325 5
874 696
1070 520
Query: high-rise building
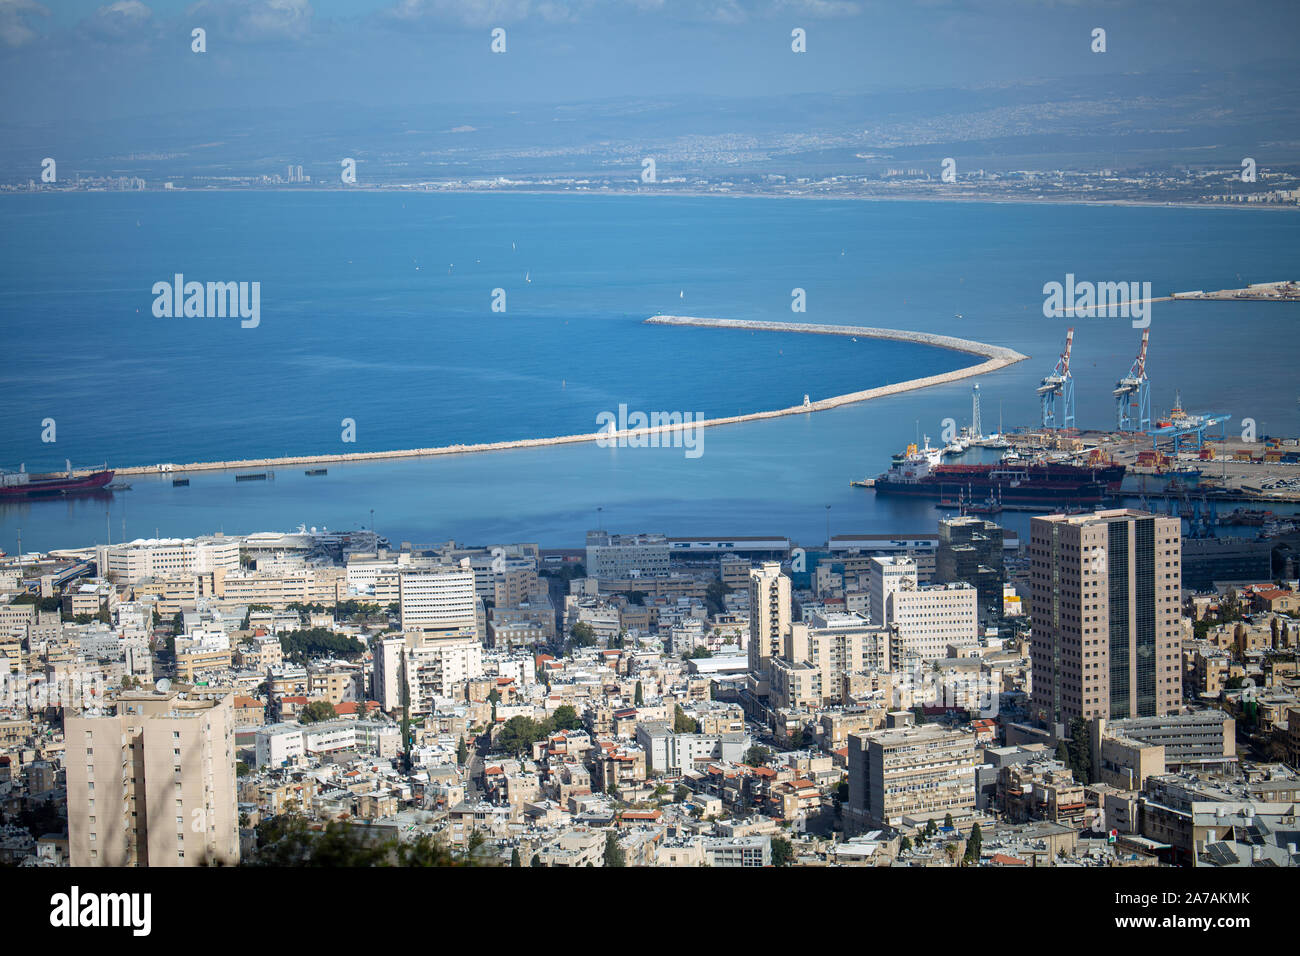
885 576
387 679
971 550
439 600
153 784
769 620
1105 592
908 772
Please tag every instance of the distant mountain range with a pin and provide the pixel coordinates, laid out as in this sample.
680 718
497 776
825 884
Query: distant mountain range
1134 120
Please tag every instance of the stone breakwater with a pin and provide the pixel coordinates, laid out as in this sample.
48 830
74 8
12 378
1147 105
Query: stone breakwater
995 357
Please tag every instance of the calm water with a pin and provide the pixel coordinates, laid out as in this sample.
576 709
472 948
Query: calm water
362 318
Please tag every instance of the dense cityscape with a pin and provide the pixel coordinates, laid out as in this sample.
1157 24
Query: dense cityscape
468 440
881 700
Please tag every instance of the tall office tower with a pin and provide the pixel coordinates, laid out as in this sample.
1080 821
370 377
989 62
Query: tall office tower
769 619
440 600
884 577
970 550
154 784
1104 595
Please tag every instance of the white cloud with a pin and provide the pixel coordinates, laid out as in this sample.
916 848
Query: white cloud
122 19
254 20
14 28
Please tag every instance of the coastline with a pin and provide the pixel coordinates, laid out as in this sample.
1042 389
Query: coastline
417 189
995 357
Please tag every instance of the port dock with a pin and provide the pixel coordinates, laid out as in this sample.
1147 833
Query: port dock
994 357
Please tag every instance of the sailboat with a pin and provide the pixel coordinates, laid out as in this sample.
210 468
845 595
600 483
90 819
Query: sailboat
526 275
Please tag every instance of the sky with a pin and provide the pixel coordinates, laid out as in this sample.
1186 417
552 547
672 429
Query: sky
67 60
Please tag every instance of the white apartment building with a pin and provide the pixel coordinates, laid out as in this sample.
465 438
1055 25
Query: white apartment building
929 619
433 666
769 620
279 744
387 680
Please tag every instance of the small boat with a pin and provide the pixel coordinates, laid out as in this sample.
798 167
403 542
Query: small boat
119 486
317 471
255 476
180 482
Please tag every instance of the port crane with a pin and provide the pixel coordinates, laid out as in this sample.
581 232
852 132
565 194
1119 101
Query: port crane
1133 394
1059 383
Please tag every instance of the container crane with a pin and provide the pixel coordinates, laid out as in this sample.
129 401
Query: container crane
1059 383
1133 394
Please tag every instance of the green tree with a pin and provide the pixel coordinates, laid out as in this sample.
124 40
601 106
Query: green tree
301 646
462 752
682 724
1063 754
1081 750
518 734
535 861
715 595
757 756
973 845
317 711
947 820
782 851
639 697
581 634
564 718
514 858
614 855
904 844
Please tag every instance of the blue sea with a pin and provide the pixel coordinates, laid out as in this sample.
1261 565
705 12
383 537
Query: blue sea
377 307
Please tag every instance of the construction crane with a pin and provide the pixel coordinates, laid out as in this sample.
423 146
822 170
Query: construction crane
1059 383
1133 394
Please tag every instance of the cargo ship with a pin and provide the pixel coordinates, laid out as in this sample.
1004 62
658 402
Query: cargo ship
19 484
914 473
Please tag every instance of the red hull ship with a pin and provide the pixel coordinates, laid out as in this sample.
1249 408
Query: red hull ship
22 485
917 473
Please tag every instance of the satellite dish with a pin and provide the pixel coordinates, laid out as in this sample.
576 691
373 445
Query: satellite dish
163 685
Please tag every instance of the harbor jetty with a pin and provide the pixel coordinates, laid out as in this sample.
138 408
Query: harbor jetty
994 357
